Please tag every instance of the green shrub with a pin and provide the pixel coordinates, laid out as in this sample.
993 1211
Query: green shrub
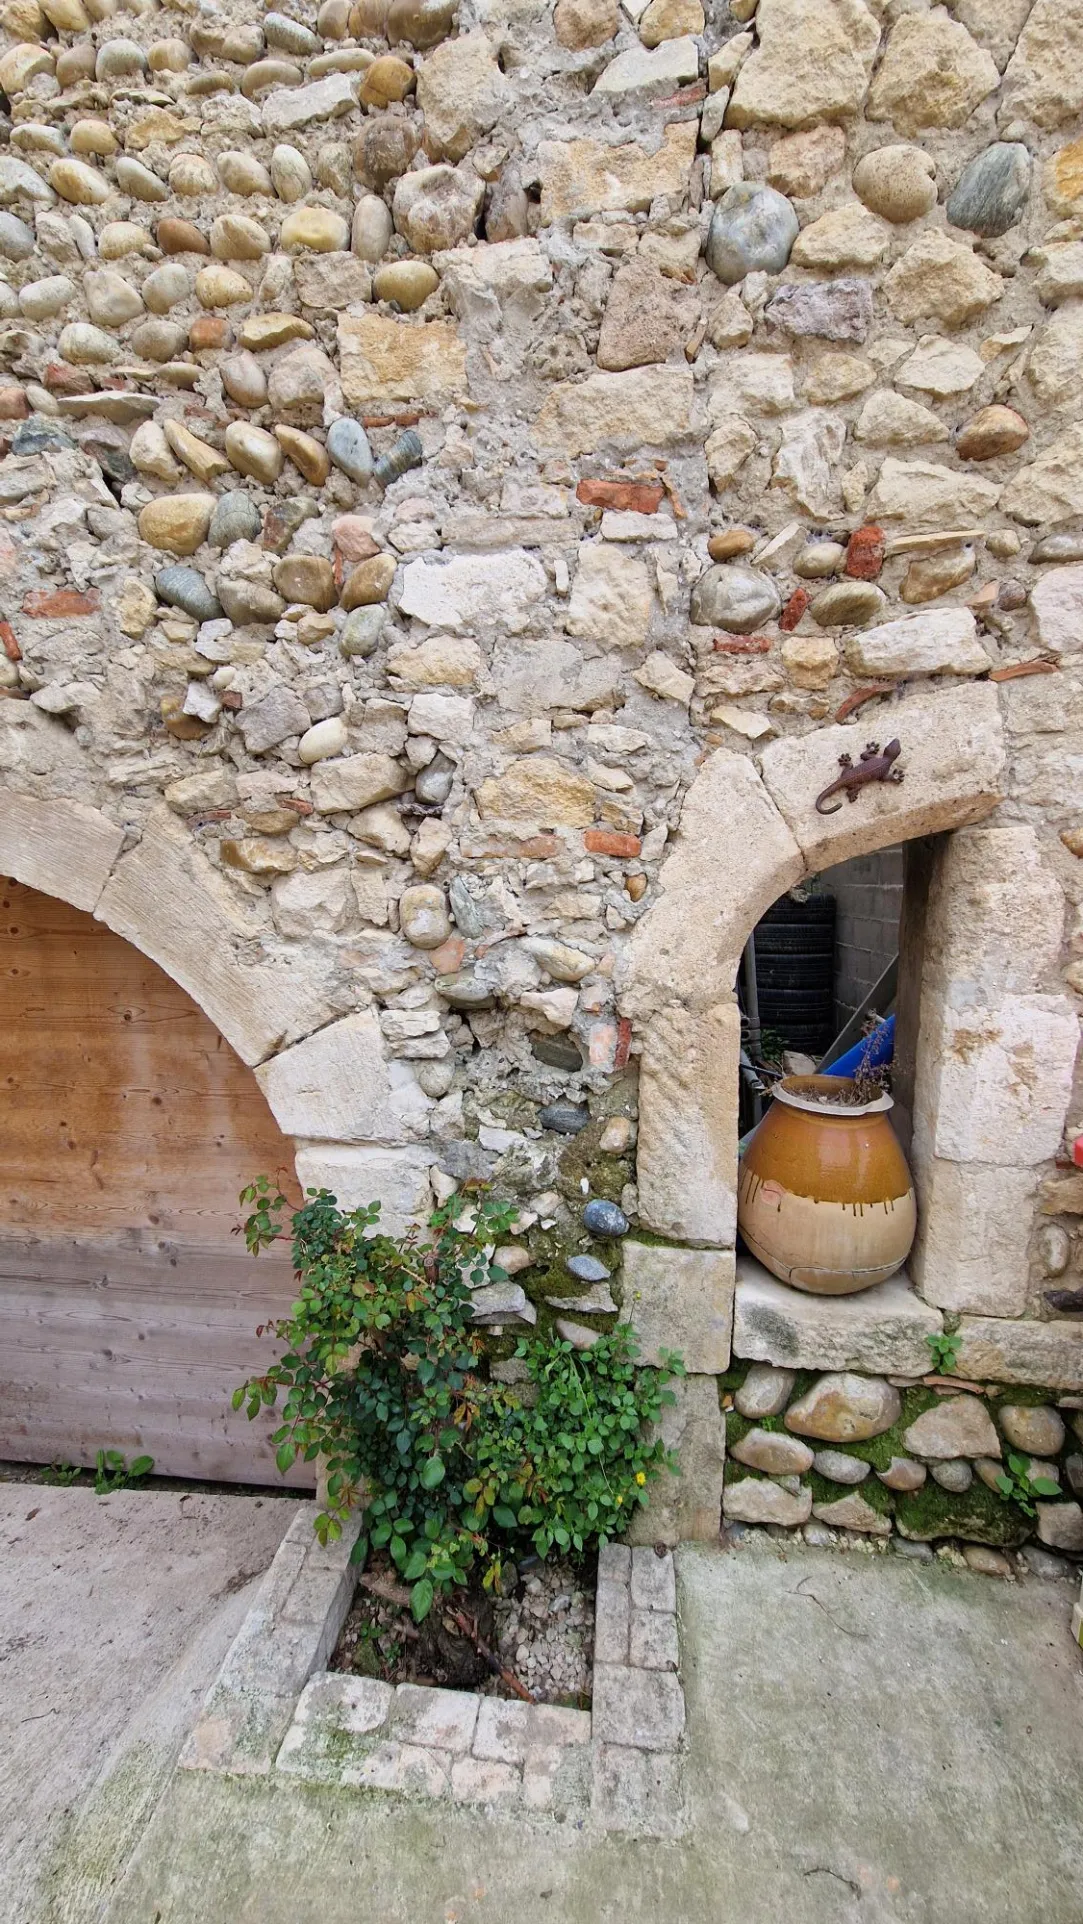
383 1377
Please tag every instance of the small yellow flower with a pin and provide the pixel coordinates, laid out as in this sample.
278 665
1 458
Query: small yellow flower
640 1478
620 1499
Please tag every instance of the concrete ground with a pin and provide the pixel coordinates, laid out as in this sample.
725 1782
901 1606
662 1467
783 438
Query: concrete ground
115 1613
872 1741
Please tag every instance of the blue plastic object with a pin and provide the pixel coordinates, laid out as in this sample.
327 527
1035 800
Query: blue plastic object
872 1050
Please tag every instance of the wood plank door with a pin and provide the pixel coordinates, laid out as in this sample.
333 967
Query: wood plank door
128 1126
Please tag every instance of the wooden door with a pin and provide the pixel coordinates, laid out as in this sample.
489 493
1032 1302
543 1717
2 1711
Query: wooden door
128 1126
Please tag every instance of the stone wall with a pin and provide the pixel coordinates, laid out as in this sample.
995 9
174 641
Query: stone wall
461 471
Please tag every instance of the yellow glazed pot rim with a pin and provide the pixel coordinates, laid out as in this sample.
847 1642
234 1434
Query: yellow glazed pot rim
798 1092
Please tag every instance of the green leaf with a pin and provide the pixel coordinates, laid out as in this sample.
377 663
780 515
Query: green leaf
1044 1486
432 1473
421 1599
506 1518
284 1456
415 1567
143 1466
237 1398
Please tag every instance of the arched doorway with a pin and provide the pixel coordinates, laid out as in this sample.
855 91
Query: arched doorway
128 1305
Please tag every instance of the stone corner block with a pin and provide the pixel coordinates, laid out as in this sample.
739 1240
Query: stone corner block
687 1507
642 1709
952 761
680 1299
880 1330
687 1152
398 1179
639 1792
333 1086
995 1349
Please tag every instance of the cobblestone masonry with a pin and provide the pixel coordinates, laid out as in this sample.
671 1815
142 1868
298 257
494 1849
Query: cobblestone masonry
273 1708
457 464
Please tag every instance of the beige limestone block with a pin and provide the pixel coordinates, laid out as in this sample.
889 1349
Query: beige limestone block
998 1350
997 1079
807 466
876 1330
714 886
811 661
943 641
1051 488
838 377
1044 77
661 677
994 24
383 359
751 383
462 94
62 848
357 781
335 1086
687 1507
679 1299
1055 368
953 763
941 279
932 74
973 1230
466 591
941 368
440 661
208 941
397 1178
888 419
995 916
1057 603
611 598
1062 179
687 1151
801 165
849 236
641 408
727 448
584 177
924 495
541 790
812 62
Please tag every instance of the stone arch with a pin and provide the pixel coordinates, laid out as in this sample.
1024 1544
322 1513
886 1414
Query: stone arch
749 830
286 1008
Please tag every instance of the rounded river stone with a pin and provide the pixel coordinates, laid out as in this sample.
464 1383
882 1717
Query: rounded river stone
235 518
348 446
604 1218
737 599
565 1118
751 228
186 589
991 192
588 1269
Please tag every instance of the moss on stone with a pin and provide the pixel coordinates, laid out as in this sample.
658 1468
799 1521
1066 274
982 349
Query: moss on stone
876 1496
977 1516
606 1175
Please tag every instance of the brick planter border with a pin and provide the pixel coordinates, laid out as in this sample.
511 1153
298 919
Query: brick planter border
275 1709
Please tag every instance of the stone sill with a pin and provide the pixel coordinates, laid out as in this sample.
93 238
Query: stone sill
879 1332
882 1331
276 1710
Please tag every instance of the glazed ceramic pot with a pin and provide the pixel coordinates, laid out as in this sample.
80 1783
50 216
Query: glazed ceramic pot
825 1198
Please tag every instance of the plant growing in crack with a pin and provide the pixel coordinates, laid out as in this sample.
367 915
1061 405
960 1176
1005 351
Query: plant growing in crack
384 1379
944 1349
1016 1485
